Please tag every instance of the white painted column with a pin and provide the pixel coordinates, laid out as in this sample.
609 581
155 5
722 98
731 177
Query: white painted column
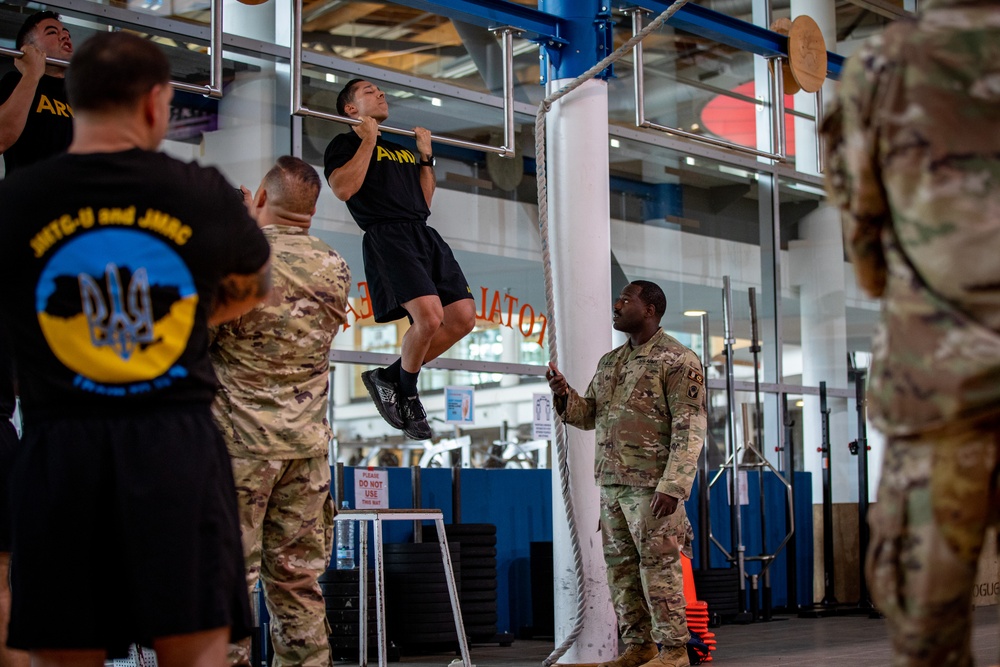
580 241
817 268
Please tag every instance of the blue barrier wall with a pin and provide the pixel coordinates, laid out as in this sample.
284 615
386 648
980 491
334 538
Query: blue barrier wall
519 503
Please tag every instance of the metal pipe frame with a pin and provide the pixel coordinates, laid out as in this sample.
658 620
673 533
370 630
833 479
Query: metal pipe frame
777 107
506 35
731 31
213 89
820 142
779 144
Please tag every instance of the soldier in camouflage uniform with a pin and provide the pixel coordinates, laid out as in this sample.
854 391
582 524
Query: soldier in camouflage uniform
273 366
914 162
647 404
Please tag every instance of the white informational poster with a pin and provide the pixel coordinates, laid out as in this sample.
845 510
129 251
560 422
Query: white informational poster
460 405
742 488
371 489
541 422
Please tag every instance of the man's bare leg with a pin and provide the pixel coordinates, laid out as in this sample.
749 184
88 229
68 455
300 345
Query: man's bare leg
459 319
195 649
8 657
434 330
428 317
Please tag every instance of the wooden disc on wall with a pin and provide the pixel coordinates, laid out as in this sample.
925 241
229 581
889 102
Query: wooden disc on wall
807 53
782 27
505 172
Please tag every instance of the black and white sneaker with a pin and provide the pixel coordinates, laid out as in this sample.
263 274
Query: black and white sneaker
385 395
415 417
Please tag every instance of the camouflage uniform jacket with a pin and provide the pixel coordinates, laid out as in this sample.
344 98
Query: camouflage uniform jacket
913 148
273 362
648 407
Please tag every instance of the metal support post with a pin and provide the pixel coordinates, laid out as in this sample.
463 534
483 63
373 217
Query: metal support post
789 452
736 521
829 597
860 448
704 506
758 419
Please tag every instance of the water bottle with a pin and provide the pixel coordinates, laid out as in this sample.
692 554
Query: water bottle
345 542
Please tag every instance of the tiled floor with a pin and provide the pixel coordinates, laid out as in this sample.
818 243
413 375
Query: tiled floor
840 641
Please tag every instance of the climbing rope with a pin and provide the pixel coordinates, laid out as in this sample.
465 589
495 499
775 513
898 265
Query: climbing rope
543 227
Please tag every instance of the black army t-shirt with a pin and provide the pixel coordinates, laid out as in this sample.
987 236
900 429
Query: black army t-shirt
111 262
391 191
49 127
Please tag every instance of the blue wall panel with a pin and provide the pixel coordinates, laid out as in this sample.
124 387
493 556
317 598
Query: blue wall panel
774 495
519 502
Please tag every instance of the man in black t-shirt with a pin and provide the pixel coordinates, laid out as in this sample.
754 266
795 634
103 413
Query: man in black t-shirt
410 269
116 259
36 120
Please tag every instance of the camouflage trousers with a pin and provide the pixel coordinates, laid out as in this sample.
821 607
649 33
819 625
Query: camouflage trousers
936 498
286 516
643 559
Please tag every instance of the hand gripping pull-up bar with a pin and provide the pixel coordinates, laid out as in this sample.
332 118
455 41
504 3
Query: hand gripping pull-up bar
506 39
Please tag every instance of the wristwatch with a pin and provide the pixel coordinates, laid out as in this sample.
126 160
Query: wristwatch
429 162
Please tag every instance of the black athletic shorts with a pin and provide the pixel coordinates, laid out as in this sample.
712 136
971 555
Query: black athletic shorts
125 529
404 260
8 448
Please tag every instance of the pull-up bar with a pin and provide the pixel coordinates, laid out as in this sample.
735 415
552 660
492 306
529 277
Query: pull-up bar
506 39
213 89
777 105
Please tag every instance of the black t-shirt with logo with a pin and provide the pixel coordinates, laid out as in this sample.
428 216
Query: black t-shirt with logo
391 190
111 262
49 127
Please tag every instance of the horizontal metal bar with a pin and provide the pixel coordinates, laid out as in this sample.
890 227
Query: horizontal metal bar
178 85
14 53
437 138
720 143
776 388
468 365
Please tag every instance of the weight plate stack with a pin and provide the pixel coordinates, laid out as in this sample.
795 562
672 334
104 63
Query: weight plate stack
340 593
720 588
479 576
418 606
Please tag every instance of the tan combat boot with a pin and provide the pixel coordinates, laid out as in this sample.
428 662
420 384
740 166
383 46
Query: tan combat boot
634 656
670 657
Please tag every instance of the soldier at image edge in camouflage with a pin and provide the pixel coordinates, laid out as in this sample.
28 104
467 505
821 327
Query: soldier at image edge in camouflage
913 160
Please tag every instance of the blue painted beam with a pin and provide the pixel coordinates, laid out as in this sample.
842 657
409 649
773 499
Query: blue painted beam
730 31
537 25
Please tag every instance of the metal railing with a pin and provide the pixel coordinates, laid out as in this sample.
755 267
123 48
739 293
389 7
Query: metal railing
506 39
